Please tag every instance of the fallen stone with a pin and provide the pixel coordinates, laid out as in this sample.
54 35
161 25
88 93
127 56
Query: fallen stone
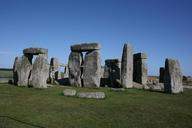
138 85
91 95
69 92
85 47
74 64
173 77
117 89
92 69
127 67
40 72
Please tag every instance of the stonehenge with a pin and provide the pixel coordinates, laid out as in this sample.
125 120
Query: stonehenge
28 74
84 70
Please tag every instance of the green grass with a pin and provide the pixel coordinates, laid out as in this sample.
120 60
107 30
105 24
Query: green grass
29 107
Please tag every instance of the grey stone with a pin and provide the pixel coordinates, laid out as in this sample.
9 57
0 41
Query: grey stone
140 68
53 71
161 74
23 68
69 92
74 64
35 51
85 47
173 77
117 89
92 69
127 67
15 74
138 85
113 72
91 95
40 72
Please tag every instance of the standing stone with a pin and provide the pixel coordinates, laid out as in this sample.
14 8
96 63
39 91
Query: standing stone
140 68
75 61
173 77
15 74
91 69
40 72
53 71
113 71
161 74
23 68
127 67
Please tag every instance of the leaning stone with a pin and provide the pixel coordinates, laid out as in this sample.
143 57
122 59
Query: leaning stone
85 47
127 67
92 69
40 72
35 51
91 95
173 77
69 92
22 68
74 64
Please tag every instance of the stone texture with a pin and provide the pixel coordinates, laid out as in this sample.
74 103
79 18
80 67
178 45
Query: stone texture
40 72
127 67
35 51
85 47
22 68
91 69
173 77
69 92
15 75
113 72
75 61
117 89
140 68
53 70
92 95
161 74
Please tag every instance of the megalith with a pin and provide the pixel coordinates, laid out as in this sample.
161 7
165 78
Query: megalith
40 72
127 67
22 68
161 74
53 71
172 76
91 69
74 65
140 68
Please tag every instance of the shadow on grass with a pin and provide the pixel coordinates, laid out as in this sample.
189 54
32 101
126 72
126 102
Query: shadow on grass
23 122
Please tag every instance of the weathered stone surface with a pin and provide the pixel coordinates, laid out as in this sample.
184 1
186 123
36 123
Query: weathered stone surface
173 76
69 92
127 67
53 70
85 47
74 64
40 72
54 64
35 51
15 75
113 72
93 95
161 74
91 69
138 85
22 68
117 89
140 68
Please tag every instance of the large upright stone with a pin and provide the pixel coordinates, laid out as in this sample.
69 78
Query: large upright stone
74 64
140 68
85 47
113 72
127 67
161 74
91 69
15 74
173 77
40 72
22 68
53 71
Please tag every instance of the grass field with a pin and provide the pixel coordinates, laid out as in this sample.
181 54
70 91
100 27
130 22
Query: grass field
48 108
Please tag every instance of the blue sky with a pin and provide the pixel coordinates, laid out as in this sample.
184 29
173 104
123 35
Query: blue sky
160 28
